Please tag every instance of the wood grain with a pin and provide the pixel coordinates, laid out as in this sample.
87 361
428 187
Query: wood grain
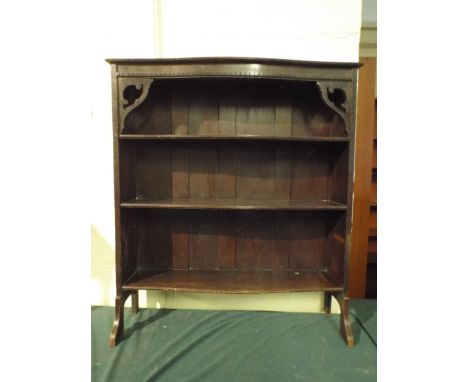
233 176
235 204
362 176
232 281
237 107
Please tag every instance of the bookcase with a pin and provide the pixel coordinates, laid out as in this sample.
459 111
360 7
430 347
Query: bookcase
233 175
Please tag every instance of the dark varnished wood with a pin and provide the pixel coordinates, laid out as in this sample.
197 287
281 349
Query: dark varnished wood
363 179
225 67
235 107
327 302
135 307
242 170
233 175
227 60
236 204
345 323
231 281
246 239
232 138
118 324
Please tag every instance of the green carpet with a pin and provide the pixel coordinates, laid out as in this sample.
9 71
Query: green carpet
198 345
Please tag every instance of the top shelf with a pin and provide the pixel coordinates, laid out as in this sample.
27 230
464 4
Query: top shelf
226 137
230 60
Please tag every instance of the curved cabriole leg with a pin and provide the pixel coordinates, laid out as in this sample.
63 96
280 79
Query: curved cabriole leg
118 324
345 323
135 307
327 303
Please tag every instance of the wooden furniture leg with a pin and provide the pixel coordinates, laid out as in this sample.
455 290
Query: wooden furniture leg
118 325
327 303
135 307
345 323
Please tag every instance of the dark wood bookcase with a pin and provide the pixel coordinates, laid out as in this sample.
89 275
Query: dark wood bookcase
233 175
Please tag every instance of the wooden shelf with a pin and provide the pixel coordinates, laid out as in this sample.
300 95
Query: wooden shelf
235 204
231 281
230 137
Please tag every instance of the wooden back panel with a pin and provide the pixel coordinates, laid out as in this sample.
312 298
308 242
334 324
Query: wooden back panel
247 240
234 107
235 170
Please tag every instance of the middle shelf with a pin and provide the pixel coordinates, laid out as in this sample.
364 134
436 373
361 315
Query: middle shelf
233 175
239 138
235 204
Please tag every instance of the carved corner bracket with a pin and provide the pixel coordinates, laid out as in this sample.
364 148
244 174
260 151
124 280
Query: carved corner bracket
328 89
132 93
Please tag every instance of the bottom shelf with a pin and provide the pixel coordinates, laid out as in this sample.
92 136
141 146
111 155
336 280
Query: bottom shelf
232 281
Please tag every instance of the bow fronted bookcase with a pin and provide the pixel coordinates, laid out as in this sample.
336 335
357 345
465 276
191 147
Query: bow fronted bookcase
233 175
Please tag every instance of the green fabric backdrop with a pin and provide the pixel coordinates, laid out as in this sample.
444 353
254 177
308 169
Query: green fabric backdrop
196 345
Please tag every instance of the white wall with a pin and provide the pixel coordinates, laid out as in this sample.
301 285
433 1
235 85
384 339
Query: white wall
120 28
297 29
314 30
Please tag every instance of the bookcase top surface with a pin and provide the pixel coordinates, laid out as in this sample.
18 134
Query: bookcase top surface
230 60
